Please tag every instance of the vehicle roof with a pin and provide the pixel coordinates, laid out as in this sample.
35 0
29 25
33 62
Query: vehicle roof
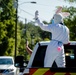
47 42
6 57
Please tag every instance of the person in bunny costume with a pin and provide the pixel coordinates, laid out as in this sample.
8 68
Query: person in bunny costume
60 36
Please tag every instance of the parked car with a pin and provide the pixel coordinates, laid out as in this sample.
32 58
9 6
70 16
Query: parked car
7 66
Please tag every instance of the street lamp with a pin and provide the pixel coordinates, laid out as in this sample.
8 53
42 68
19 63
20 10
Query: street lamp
28 2
16 6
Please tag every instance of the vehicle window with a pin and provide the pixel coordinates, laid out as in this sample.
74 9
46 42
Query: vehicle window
6 61
39 57
70 55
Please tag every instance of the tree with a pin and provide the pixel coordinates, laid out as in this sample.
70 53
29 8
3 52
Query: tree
7 27
70 1
71 22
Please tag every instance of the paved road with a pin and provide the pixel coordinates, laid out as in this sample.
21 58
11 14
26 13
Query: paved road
20 74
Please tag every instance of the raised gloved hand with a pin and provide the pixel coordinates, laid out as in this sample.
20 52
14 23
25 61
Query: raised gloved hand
36 15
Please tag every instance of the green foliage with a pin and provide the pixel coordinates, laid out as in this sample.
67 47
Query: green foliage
7 27
70 1
71 22
46 39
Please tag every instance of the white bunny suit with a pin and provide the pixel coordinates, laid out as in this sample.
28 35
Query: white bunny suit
55 49
60 36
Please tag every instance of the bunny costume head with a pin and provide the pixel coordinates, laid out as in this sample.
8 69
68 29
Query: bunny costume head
58 18
59 15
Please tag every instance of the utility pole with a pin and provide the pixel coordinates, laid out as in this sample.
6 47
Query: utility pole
26 29
0 21
16 5
0 28
16 29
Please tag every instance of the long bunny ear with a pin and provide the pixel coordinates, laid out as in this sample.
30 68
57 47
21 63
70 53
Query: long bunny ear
58 10
65 14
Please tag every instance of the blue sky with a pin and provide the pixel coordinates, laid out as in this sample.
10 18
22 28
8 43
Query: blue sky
46 9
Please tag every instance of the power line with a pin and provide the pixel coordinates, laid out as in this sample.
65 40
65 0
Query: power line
29 13
18 8
26 12
21 17
24 18
5 5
